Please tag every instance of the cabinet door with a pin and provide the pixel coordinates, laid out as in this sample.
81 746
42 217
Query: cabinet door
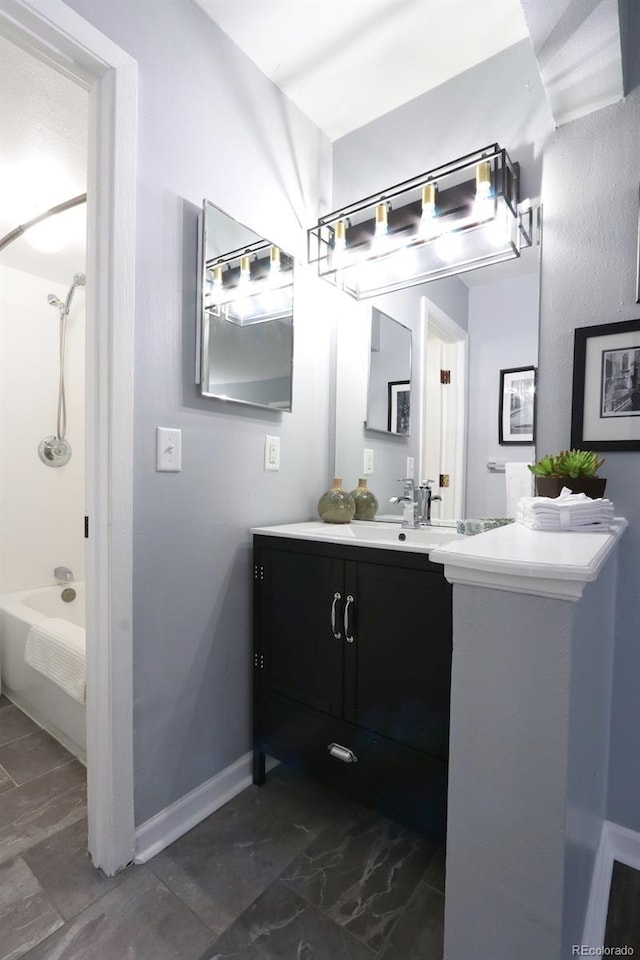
302 657
398 668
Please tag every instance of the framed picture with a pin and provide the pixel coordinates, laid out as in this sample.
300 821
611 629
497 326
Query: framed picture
605 413
517 422
399 406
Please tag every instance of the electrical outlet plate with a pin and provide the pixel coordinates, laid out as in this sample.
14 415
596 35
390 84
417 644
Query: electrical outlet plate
272 453
411 468
367 462
168 450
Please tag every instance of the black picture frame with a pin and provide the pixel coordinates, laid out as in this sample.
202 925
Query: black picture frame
517 400
399 407
605 408
638 254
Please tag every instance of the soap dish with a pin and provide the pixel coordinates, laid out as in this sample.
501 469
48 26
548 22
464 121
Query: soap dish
469 528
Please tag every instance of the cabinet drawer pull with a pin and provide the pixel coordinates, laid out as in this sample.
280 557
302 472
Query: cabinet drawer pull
342 753
337 634
347 636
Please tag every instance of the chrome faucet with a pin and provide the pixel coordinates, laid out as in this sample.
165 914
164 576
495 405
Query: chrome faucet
63 575
410 508
426 496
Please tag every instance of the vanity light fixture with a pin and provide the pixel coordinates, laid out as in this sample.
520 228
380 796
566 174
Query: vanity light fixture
457 217
250 285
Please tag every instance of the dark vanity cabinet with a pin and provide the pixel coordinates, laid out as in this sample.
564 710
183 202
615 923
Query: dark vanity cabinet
352 668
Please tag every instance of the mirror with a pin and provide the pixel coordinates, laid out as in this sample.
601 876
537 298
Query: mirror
389 389
245 314
469 327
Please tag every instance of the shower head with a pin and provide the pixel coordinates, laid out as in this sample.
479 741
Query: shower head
79 280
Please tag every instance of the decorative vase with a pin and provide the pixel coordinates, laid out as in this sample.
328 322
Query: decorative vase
551 486
336 505
366 502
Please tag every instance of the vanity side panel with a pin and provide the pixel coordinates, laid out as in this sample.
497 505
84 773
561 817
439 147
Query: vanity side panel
507 775
591 686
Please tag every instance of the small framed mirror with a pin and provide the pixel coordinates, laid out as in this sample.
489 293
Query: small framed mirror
245 314
389 389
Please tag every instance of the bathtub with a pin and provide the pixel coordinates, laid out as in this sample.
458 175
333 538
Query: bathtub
36 695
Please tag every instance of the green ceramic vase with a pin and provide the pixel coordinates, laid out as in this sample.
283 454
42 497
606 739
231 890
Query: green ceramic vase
336 505
366 502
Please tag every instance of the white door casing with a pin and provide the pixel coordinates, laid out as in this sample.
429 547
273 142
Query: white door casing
56 34
444 418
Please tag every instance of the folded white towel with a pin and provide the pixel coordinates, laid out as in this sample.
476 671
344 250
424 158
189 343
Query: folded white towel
519 483
569 511
56 649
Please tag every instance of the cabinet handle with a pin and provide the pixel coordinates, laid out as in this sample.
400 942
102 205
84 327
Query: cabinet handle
342 753
348 638
336 597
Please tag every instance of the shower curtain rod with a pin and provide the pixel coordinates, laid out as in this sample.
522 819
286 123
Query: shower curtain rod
19 230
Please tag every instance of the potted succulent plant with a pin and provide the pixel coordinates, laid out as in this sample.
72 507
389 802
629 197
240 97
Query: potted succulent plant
575 469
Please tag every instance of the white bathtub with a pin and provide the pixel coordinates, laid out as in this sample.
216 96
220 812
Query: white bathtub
40 698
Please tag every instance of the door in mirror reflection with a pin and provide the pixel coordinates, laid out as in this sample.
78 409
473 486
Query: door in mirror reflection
389 389
246 315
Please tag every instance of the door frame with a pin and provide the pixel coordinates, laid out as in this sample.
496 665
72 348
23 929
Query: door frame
435 319
53 32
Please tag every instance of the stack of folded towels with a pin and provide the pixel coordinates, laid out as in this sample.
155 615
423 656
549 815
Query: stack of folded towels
569 511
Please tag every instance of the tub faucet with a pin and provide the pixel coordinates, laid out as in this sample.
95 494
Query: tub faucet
63 575
410 512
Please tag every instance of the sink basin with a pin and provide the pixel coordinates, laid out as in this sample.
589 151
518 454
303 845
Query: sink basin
388 536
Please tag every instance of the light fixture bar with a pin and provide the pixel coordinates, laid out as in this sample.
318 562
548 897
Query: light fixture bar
452 219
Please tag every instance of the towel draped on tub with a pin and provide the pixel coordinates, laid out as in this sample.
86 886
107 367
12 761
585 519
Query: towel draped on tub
56 649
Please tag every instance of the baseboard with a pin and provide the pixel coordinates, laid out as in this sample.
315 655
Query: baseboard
616 843
178 818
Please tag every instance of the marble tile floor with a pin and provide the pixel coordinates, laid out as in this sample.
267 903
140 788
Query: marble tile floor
283 872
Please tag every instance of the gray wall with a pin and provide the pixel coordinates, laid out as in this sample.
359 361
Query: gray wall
500 100
503 333
591 175
210 125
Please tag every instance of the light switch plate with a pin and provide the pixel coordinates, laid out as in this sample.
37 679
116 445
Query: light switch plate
411 468
168 449
272 453
367 463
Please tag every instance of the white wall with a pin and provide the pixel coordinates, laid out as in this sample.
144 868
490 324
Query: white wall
503 333
210 125
41 508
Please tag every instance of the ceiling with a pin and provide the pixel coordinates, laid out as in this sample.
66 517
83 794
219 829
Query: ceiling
346 62
43 162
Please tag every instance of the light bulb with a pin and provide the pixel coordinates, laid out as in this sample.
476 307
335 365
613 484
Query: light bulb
379 243
245 272
483 180
428 228
338 254
483 205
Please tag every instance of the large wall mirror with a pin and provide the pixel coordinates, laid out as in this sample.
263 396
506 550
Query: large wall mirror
464 331
245 314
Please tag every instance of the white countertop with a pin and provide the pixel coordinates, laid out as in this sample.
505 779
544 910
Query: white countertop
362 533
554 564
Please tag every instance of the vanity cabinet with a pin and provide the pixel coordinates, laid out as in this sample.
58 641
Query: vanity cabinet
352 667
